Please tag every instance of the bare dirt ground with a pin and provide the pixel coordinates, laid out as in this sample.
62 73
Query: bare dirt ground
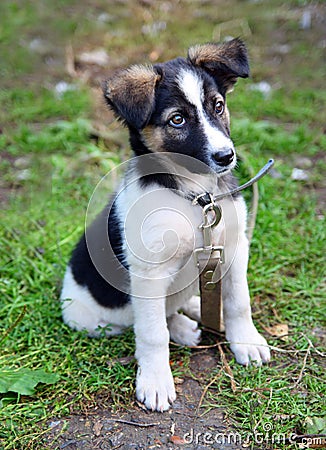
135 428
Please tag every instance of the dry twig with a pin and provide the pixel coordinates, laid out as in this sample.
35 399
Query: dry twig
12 326
70 61
227 368
135 424
303 366
205 391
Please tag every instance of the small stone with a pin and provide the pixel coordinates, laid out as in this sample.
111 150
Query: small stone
98 57
24 175
116 439
305 23
154 29
22 162
55 423
263 87
282 49
105 17
299 175
62 87
39 46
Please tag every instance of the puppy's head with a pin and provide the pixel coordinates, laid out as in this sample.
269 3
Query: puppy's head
180 106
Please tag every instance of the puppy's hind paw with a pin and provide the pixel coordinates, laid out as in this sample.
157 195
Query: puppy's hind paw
183 330
249 348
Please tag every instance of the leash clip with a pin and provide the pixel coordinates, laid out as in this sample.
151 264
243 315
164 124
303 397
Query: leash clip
212 215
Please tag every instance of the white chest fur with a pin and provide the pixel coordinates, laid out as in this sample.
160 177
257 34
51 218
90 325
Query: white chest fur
160 226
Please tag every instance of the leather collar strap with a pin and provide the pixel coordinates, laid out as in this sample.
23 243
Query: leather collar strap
210 285
207 198
204 199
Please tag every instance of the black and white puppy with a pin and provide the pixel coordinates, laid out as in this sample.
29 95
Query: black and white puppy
134 265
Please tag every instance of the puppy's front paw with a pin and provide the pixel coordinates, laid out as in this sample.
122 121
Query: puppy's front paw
155 388
183 330
249 346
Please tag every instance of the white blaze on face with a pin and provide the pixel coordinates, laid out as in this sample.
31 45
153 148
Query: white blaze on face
192 87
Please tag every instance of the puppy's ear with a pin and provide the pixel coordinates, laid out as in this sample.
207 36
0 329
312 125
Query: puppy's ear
225 62
131 94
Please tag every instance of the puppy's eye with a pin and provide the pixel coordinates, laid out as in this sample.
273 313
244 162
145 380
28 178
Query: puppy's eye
177 121
219 107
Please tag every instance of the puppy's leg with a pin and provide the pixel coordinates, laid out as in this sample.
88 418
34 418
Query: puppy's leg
154 385
245 341
82 312
183 330
192 308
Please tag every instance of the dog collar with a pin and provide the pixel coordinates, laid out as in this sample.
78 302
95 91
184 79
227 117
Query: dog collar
206 198
203 199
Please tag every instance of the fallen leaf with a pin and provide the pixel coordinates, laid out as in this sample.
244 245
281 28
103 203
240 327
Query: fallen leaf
154 55
141 406
124 361
280 330
97 428
23 381
177 440
315 425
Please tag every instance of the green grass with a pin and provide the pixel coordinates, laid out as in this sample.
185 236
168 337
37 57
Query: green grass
50 166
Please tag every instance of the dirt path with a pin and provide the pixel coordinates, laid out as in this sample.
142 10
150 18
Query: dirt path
181 427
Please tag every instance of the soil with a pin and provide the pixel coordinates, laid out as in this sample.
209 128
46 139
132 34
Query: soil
183 426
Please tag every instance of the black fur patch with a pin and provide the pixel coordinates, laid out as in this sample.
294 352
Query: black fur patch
152 169
83 269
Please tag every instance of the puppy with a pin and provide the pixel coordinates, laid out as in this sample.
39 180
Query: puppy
134 265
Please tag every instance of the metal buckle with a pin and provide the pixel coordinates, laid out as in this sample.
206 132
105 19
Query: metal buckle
214 252
205 198
212 215
210 222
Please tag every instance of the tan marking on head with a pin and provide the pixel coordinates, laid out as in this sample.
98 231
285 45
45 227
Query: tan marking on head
227 61
153 138
226 117
131 93
140 78
201 54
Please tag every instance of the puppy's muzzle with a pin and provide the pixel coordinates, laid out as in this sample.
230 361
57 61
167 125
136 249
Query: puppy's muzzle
224 157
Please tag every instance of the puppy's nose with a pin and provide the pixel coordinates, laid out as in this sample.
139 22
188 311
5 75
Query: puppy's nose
224 157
